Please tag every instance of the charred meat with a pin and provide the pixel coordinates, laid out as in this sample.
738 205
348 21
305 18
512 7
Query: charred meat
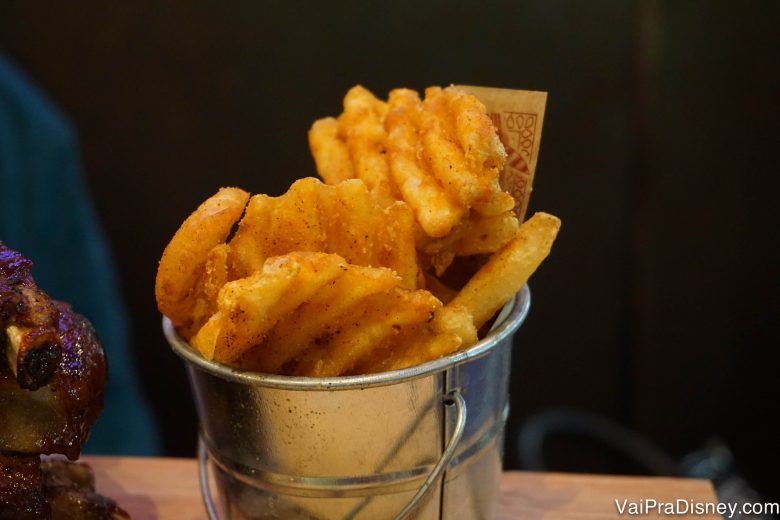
52 378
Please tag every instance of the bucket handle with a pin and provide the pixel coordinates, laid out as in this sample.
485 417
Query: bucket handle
454 397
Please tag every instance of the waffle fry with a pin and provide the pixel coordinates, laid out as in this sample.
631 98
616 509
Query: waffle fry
329 278
178 287
331 153
310 314
343 219
441 156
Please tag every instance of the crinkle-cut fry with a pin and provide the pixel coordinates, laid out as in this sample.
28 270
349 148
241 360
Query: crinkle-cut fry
383 318
351 220
416 346
214 276
451 329
464 129
487 234
274 226
317 319
501 202
216 272
509 269
398 250
433 206
344 219
358 229
331 154
473 236
362 126
248 249
443 154
425 347
215 340
455 319
475 131
183 260
252 306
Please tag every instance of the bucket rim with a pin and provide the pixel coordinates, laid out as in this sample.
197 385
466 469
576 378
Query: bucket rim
509 319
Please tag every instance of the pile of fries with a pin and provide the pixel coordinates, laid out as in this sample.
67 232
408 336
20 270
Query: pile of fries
442 156
350 276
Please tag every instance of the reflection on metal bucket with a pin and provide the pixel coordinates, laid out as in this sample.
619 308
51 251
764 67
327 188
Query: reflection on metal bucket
423 442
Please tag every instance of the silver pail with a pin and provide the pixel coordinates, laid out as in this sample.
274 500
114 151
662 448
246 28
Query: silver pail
424 442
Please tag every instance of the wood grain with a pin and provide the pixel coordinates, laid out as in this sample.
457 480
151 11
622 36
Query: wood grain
154 488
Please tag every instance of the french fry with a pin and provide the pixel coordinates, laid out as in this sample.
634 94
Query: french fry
450 329
274 226
344 219
331 154
382 318
442 156
475 131
365 137
402 257
426 346
250 307
326 279
432 204
213 277
455 319
486 234
509 269
244 307
319 317
184 258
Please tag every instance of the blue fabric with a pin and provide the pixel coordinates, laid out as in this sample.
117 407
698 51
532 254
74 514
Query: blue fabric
46 213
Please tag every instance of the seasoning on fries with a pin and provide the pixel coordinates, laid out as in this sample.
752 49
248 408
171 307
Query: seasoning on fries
340 277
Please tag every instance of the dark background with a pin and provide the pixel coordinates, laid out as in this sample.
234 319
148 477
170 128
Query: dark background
659 305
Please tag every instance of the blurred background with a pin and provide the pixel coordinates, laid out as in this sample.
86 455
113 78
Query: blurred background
659 309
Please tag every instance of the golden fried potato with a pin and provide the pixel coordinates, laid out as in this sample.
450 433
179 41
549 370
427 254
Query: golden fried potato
184 259
344 219
250 307
434 206
320 317
445 156
452 328
274 226
310 314
361 125
326 279
455 325
358 229
442 156
509 269
331 154
476 236
207 288
484 235
375 324
475 132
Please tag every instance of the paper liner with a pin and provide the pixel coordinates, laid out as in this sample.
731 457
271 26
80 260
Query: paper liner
518 115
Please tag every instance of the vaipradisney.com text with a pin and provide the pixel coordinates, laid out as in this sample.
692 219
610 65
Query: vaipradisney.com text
682 506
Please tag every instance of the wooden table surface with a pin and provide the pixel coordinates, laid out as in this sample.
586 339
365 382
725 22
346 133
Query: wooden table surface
152 488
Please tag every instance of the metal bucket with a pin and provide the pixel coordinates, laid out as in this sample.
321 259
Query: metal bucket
424 442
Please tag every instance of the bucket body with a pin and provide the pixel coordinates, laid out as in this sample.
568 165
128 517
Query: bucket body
359 447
